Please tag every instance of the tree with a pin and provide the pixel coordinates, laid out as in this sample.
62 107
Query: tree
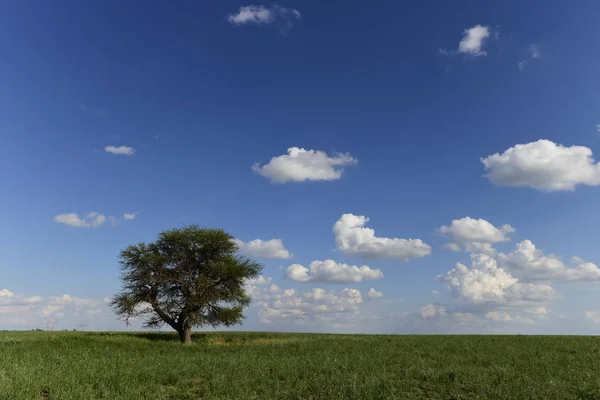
188 277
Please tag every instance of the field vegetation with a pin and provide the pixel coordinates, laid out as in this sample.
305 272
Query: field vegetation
246 365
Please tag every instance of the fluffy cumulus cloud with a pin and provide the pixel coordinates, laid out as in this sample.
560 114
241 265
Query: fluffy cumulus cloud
92 220
543 165
529 263
120 151
304 165
487 284
261 15
22 312
473 40
374 294
475 235
273 248
352 237
330 271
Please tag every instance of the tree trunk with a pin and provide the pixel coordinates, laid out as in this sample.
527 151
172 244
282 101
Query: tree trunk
185 335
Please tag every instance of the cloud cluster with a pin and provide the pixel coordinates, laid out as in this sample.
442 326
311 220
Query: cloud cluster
331 271
487 284
261 15
120 151
273 248
301 165
475 235
436 311
32 312
93 219
352 237
504 317
543 165
530 264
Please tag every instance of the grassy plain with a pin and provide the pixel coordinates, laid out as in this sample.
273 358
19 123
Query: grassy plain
240 365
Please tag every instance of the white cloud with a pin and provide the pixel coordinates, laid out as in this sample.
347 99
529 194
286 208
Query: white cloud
542 310
277 305
32 312
129 217
273 248
261 15
353 238
593 316
113 220
502 316
472 41
304 165
534 52
530 264
121 150
475 235
374 294
92 220
543 165
6 293
432 310
486 283
330 271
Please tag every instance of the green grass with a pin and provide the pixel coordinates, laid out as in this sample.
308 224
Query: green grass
85 366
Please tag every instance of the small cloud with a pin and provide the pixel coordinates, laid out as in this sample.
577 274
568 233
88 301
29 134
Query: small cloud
95 111
273 248
129 217
92 220
598 129
534 52
113 220
434 292
472 41
374 294
121 150
301 165
593 316
261 15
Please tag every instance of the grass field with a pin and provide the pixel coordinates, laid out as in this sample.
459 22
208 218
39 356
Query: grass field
82 366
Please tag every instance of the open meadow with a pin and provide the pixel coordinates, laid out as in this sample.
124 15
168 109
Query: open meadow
240 365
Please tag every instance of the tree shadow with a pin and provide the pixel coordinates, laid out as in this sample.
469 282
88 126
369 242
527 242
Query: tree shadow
167 336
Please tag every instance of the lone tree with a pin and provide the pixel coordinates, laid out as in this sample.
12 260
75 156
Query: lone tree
188 277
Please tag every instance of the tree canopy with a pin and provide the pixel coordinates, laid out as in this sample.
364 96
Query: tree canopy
188 277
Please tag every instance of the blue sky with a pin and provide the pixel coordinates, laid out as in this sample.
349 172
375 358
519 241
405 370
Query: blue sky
408 97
